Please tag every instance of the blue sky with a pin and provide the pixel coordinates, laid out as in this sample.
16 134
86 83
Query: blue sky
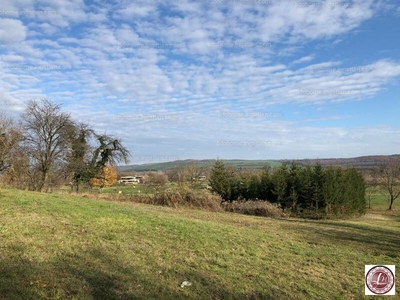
245 79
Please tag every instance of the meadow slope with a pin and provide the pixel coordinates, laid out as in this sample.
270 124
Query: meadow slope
70 247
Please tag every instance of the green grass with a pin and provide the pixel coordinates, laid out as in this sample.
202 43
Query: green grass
140 189
70 247
148 189
379 198
137 189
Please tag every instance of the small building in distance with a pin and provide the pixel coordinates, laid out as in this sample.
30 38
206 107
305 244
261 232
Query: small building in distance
130 180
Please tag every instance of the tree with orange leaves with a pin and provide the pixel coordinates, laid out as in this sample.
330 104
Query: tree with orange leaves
107 177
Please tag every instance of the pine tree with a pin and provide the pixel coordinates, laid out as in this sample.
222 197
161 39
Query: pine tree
221 180
333 189
280 180
294 185
306 191
266 187
318 182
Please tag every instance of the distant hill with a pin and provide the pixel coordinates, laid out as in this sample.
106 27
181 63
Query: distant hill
165 166
362 162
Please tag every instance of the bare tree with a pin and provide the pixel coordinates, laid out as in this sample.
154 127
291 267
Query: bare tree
10 137
14 161
186 174
46 131
157 178
390 180
192 173
178 174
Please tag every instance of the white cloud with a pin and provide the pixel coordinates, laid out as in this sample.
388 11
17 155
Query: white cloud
15 5
304 59
315 21
11 58
126 35
215 61
11 31
47 29
136 10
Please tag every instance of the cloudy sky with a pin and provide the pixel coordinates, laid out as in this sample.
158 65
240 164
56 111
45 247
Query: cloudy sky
246 79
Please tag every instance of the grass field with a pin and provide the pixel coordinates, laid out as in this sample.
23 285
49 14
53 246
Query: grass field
379 198
69 247
141 189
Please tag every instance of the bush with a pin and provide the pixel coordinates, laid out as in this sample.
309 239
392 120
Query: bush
254 208
182 197
186 197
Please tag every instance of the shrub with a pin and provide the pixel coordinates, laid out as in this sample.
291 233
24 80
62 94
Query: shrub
254 208
181 197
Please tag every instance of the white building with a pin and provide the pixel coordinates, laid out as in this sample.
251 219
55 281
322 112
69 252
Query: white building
130 179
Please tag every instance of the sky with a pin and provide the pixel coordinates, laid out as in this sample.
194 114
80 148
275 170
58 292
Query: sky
227 79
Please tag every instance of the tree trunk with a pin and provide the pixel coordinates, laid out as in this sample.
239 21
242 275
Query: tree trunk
43 181
391 203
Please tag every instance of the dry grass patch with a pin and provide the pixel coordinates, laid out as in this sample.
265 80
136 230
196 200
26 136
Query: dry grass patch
254 208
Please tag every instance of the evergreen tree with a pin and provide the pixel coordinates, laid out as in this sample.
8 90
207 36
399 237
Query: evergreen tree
233 185
354 192
306 190
266 187
280 180
317 184
253 190
333 190
221 180
294 186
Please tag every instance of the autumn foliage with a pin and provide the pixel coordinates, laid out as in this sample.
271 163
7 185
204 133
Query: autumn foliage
107 177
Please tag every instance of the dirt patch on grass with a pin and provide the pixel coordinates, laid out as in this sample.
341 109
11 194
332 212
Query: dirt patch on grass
376 217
